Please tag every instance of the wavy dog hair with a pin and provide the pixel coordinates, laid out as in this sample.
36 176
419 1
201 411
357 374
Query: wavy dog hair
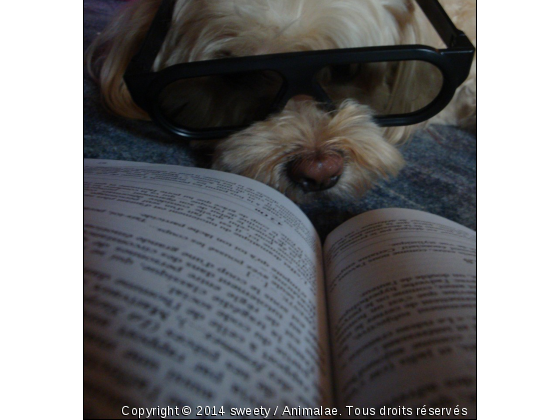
270 150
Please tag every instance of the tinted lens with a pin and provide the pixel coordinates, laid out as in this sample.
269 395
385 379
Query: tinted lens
387 87
229 100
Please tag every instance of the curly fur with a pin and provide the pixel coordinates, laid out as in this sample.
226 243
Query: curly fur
203 30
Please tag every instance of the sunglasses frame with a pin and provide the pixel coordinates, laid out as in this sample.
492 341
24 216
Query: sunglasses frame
298 69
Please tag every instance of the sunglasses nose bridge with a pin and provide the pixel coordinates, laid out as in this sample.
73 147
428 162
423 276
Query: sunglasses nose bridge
304 86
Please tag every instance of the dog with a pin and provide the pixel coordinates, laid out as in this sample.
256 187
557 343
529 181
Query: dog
305 151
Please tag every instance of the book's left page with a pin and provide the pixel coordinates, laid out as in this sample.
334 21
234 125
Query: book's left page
201 289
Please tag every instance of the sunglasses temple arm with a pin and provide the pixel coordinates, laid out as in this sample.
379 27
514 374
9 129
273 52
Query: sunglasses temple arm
143 61
445 28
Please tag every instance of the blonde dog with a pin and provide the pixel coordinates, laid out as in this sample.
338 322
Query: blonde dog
304 150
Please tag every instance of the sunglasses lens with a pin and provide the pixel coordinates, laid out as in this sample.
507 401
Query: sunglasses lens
396 87
226 100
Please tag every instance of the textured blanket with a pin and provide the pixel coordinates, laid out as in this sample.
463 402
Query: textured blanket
440 176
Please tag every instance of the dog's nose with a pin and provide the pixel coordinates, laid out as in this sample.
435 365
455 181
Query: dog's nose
316 173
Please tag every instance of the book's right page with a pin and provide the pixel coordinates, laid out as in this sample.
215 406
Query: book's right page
401 288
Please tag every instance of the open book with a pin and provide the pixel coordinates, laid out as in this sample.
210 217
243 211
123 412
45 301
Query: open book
209 294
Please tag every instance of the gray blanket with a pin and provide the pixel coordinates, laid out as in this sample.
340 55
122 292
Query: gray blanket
440 176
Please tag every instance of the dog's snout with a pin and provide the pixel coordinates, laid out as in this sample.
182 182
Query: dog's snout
316 173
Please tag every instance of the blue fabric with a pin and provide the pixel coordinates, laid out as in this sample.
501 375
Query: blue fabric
440 176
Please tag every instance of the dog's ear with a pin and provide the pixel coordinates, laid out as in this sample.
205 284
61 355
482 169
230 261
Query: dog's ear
109 54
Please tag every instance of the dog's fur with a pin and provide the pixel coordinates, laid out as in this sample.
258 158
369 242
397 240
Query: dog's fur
343 149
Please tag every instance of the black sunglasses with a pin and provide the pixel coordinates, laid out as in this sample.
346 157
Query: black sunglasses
174 96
